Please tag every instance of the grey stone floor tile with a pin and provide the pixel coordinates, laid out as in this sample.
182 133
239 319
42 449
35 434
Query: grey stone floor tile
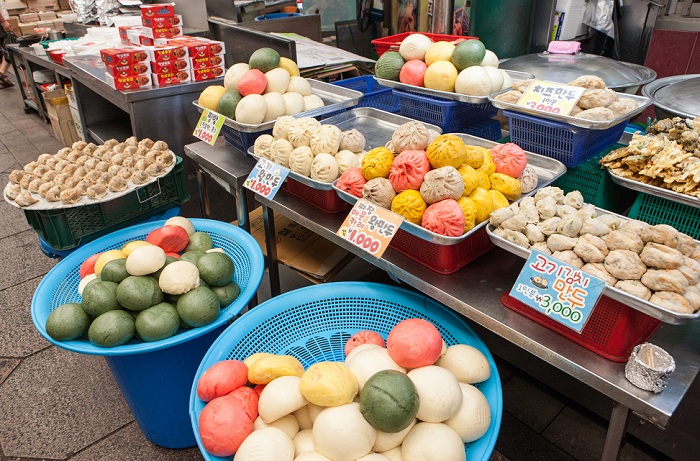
18 336
8 163
25 154
505 370
129 444
56 403
12 220
22 253
577 434
6 367
48 145
630 452
517 442
530 403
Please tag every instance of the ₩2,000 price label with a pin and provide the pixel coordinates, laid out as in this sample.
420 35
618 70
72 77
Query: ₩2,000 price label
266 178
209 126
370 227
551 97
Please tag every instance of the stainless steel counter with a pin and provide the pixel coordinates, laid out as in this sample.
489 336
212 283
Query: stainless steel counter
475 291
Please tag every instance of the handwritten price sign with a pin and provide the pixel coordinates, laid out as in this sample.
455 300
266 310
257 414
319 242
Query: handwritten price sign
370 227
209 126
266 178
551 97
562 292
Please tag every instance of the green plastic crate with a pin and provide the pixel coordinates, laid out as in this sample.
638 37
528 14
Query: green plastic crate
656 210
64 229
596 186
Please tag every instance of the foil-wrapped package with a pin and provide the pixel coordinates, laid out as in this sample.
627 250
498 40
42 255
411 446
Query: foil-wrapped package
106 9
649 367
85 9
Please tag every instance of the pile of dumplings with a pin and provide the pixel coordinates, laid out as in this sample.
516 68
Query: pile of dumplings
88 170
438 182
306 147
597 103
657 263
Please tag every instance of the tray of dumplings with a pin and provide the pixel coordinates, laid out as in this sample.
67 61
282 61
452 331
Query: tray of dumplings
317 154
541 171
86 174
653 269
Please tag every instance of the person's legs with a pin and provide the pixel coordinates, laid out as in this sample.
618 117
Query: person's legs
5 82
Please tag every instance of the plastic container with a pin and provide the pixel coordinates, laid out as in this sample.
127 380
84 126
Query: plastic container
392 42
64 229
375 95
325 200
314 323
450 116
596 186
240 140
488 129
154 377
569 144
612 330
657 210
443 259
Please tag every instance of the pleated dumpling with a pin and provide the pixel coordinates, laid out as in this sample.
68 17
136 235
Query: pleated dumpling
300 133
324 168
410 205
412 135
442 183
300 160
325 140
352 140
280 130
445 218
280 150
408 169
261 147
346 159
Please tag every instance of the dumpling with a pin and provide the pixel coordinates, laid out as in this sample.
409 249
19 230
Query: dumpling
346 159
54 194
140 177
549 226
103 166
546 207
280 129
588 81
686 244
24 198
325 140
442 183
377 163
622 107
114 169
691 270
262 145
110 143
300 133
564 211
591 249
408 170
574 199
44 188
511 96
534 234
159 146
663 234
598 270
140 165
146 142
597 114
568 257
92 162
63 153
82 186
155 169
661 257
117 184
410 205
625 265
622 240
529 212
570 226
634 226
43 158
17 175
412 135
558 242
324 168
515 237
517 223
352 140
528 179
70 196
635 288
596 98
151 156
74 155
300 160
671 301
379 192
446 150
612 221
166 159
34 184
550 191
665 280
444 218
522 85
125 173
500 215
96 191
280 150
72 182
26 179
12 191
352 181
129 162
130 141
40 170
541 247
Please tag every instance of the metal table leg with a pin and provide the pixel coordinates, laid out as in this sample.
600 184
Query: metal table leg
241 197
202 193
271 245
616 429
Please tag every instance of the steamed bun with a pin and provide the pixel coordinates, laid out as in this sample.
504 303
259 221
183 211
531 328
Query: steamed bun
262 145
300 133
251 109
379 192
352 181
446 150
411 135
408 169
342 433
410 205
442 183
326 139
281 127
324 168
300 160
280 150
377 163
352 140
346 159
444 218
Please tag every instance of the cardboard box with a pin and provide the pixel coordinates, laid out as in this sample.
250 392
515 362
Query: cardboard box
170 66
58 24
201 48
132 82
172 78
128 33
75 113
162 21
166 53
28 17
14 23
42 5
162 32
209 73
148 41
46 15
157 10
61 119
124 56
139 68
45 24
26 28
207 61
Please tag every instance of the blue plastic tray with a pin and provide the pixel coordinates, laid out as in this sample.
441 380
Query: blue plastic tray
314 323
488 129
375 95
451 116
60 285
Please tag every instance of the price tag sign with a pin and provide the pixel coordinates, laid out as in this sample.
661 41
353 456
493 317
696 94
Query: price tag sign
370 227
266 178
209 126
561 292
551 97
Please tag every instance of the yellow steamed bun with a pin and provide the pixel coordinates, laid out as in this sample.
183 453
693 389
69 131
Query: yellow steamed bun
446 150
410 205
328 384
376 163
509 187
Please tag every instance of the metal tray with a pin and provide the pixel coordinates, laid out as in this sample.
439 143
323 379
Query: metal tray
548 169
334 97
642 103
376 126
656 190
634 302
514 74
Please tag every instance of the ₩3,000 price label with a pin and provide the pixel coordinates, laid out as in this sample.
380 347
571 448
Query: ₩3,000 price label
209 126
551 97
266 178
370 227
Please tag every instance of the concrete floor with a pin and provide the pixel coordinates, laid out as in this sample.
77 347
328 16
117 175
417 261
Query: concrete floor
59 405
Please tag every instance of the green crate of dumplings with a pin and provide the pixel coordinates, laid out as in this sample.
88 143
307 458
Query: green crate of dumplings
657 210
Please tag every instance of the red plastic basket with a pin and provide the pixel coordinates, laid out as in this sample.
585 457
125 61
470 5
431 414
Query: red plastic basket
392 42
612 330
325 200
443 259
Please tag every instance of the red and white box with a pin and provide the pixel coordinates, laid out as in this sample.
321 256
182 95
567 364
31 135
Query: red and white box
162 32
157 10
131 82
139 68
208 73
162 21
148 41
128 33
123 56
204 48
207 61
166 53
172 78
170 66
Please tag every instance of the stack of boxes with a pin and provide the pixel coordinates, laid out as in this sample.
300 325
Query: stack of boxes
28 15
170 56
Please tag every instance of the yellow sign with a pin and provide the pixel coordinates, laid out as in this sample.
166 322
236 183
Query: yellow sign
551 97
370 227
209 126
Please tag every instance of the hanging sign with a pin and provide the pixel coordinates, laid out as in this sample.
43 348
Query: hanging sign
551 97
561 292
266 178
370 227
209 126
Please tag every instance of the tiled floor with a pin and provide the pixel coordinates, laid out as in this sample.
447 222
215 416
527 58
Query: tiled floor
58 405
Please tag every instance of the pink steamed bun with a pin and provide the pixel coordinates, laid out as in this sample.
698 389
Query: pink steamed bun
414 343
408 169
352 181
222 378
412 72
445 218
223 425
363 337
509 159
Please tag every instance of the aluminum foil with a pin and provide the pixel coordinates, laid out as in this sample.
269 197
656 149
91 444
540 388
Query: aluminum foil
649 367
106 9
85 9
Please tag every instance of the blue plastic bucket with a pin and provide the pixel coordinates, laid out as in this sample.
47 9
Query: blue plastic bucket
277 16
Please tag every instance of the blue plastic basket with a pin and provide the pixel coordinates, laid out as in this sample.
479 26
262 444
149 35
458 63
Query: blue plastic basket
451 116
569 144
488 129
155 377
375 95
240 140
314 323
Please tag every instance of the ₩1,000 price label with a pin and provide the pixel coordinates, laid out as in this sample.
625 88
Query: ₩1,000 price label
209 126
266 178
370 227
